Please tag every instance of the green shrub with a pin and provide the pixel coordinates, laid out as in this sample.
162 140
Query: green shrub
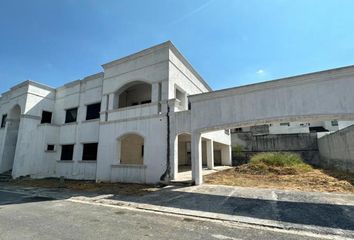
279 163
238 150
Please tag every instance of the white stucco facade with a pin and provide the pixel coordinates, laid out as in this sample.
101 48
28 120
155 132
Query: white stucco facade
143 101
149 115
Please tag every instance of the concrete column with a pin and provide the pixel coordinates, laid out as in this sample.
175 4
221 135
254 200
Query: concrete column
210 154
174 157
155 92
226 158
111 101
197 176
104 107
104 103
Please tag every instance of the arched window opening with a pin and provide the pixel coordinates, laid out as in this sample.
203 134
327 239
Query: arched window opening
131 149
132 94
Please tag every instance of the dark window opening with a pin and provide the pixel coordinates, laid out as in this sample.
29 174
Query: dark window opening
318 129
334 123
50 147
285 124
135 103
3 120
236 130
46 117
67 152
71 115
93 111
90 151
146 101
142 150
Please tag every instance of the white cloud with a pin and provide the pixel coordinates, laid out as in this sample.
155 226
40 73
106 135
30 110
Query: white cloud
260 72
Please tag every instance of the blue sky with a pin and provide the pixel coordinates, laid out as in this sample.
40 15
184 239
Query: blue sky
229 42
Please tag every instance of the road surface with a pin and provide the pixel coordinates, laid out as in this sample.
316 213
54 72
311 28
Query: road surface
23 217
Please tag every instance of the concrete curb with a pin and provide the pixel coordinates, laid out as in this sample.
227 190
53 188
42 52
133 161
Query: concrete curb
346 234
249 221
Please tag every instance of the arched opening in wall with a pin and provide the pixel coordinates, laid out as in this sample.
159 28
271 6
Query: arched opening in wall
131 149
132 94
12 126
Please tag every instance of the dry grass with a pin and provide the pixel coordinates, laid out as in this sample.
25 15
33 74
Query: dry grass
317 180
88 186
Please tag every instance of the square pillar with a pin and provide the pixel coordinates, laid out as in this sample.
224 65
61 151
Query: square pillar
104 108
111 101
174 157
197 176
210 154
155 92
226 158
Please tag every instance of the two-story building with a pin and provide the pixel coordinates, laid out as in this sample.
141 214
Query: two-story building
129 123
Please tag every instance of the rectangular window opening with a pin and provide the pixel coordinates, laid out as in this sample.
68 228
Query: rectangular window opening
93 111
46 117
334 123
90 152
146 102
50 147
71 115
67 152
3 120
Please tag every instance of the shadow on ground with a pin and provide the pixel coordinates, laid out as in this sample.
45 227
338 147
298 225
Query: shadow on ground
315 214
305 212
7 198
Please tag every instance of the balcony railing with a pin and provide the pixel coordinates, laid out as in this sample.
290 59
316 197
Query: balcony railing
137 111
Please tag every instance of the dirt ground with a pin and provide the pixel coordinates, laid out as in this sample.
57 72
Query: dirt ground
90 186
316 180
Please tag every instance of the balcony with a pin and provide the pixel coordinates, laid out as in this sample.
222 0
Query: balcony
138 111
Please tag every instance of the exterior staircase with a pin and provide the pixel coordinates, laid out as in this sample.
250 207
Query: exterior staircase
6 176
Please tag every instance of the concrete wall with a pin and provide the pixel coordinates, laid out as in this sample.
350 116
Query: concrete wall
304 144
154 132
337 149
319 96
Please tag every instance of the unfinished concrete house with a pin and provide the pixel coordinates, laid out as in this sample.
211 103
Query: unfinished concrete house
150 115
111 126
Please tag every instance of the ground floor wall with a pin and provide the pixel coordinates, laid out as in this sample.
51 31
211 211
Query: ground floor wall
153 131
32 158
337 149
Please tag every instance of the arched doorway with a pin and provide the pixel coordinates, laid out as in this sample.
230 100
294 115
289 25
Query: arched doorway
12 126
131 149
131 94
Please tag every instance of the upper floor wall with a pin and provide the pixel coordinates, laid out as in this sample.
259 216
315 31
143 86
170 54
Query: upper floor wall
30 96
163 67
151 79
77 94
183 80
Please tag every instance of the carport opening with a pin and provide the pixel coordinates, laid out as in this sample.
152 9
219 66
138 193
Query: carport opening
132 94
131 148
213 154
184 152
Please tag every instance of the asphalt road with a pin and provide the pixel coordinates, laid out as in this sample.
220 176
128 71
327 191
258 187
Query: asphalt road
23 217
